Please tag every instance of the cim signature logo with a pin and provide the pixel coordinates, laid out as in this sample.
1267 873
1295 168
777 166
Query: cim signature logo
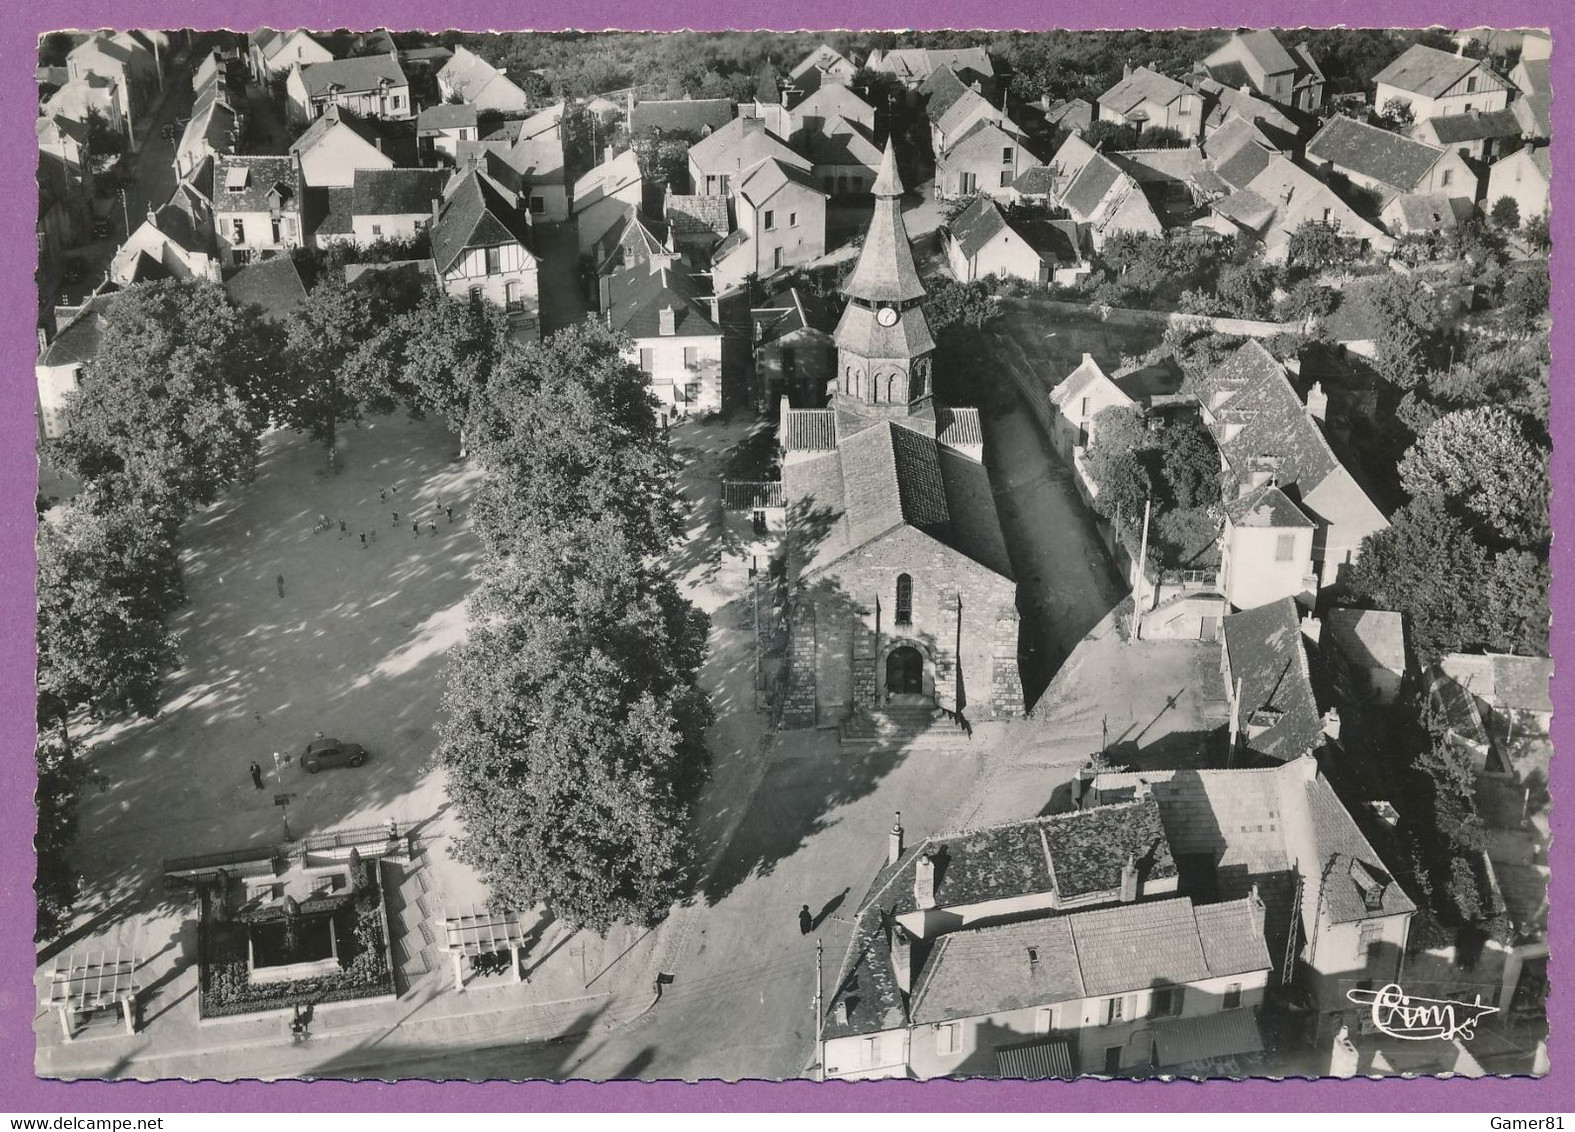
1421 1019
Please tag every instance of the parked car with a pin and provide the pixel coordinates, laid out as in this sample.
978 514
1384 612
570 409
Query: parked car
326 752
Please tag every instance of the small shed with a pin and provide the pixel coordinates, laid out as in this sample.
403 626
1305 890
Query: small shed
81 984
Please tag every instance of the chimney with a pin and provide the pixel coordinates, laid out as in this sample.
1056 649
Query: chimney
902 957
751 125
1126 70
604 291
894 841
1317 402
924 881
1129 881
1331 724
378 141
667 321
1312 628
839 1013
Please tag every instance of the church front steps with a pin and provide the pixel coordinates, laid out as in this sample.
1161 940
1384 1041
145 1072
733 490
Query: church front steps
902 727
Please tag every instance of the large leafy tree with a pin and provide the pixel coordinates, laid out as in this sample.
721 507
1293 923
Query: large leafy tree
161 417
62 778
1480 462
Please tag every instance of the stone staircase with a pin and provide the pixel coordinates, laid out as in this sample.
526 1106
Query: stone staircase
902 727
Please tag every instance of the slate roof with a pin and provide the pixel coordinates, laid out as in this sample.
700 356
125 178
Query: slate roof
1228 101
985 970
363 73
274 285
833 100
698 215
1538 76
470 74
1430 212
1534 113
264 175
918 62
807 430
842 142
334 208
446 116
1242 163
607 179
638 294
1135 946
1143 85
739 146
1087 373
1475 126
978 224
766 179
885 271
1088 849
1266 506
396 192
694 116
1264 46
1040 180
1073 113
958 427
1056 241
475 215
1090 187
1265 651
186 217
1385 157
943 89
1516 683
1351 868
1368 638
1426 71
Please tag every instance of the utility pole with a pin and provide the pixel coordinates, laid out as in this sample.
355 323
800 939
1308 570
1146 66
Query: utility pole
1137 625
125 214
820 1041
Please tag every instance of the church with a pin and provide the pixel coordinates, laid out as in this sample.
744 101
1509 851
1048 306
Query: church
902 592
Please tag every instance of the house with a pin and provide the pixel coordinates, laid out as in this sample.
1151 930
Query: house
781 222
912 65
526 157
823 67
467 77
676 340
65 157
80 100
333 147
1265 433
1268 197
1385 164
1224 103
1259 61
844 156
1435 84
440 128
689 118
1050 947
1075 404
984 159
822 108
1145 99
1512 693
1525 177
1067 113
394 204
481 249
257 207
981 242
769 104
896 545
1096 192
1533 79
795 357
1334 916
697 224
211 132
632 241
1266 550
1413 213
722 159
271 52
59 370
178 237
1370 644
274 287
1477 136
1274 712
603 196
370 86
126 62
953 107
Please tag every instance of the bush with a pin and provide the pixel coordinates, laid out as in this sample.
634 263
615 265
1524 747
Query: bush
1506 213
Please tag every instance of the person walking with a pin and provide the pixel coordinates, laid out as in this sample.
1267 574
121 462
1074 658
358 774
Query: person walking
382 495
395 514
279 581
342 530
256 775
363 540
806 922
432 526
415 527
451 514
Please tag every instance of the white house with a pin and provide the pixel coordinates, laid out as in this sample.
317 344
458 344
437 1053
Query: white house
781 214
372 86
257 207
1525 177
1433 83
333 147
467 77
440 129
604 196
394 204
981 241
481 249
1266 550
675 338
1146 99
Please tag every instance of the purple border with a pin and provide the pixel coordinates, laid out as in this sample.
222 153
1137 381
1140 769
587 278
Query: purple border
22 1091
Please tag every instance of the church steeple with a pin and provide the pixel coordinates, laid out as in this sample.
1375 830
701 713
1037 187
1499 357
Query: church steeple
883 341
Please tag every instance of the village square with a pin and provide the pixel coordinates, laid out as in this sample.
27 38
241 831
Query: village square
745 555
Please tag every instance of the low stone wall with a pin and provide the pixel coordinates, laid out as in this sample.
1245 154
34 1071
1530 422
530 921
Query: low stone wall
1131 316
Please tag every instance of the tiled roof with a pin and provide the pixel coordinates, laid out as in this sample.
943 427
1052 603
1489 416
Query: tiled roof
1518 683
366 72
1229 102
475 215
1142 85
917 62
1475 126
1266 506
1073 384
823 57
987 970
1534 113
447 116
186 217
1090 187
607 179
79 340
638 294
1369 638
1353 873
832 100
1264 46
334 208
1056 241
958 428
694 116
771 175
1277 712
942 88
697 215
977 225
1206 1037
1247 209
1242 163
1426 71
808 430
263 175
274 285
1536 76
1037 181
470 74
1430 212
739 146
1072 113
968 103
1090 848
1135 946
1383 156
1231 937
859 330
397 192
842 142
892 477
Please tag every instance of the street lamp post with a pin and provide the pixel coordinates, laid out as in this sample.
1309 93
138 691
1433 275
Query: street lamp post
125 213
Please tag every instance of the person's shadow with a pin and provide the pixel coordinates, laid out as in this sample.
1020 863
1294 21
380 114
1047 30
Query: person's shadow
831 906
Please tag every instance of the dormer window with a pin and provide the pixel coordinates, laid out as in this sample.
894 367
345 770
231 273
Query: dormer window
235 178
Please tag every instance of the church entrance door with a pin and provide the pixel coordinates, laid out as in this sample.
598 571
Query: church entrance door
904 672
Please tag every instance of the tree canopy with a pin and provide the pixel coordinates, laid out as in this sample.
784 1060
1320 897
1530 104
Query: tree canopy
1479 462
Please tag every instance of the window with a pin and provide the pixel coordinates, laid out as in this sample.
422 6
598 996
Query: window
289 229
1115 1011
397 102
1449 175
904 599
1006 177
494 260
692 392
769 220
1006 155
691 356
274 225
761 529
377 230
1468 108
792 220
776 258
1284 548
1166 1002
513 296
647 360
948 1037
1232 996
966 183
237 232
1471 88
1184 109
1369 941
475 294
869 1052
538 205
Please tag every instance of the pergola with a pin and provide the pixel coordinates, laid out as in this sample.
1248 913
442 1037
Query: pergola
482 932
81 984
